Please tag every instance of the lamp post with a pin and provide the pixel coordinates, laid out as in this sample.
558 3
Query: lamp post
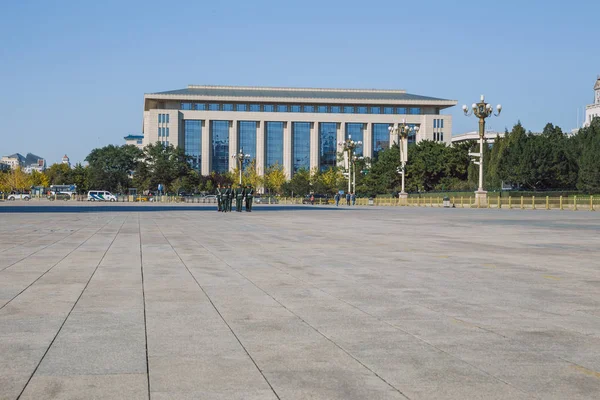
403 130
354 160
241 157
482 110
348 148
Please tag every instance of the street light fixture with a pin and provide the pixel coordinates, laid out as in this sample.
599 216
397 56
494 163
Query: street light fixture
348 148
403 130
355 158
482 110
241 157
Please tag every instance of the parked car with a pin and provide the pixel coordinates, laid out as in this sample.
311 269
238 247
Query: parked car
18 196
59 196
100 195
265 200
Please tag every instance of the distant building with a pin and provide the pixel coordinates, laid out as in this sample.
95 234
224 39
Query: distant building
29 163
293 127
490 136
135 140
65 160
593 110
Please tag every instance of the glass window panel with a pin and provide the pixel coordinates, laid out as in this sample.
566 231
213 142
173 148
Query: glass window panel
167 118
415 110
269 108
435 123
193 142
381 138
412 136
296 108
348 109
355 131
159 118
336 109
309 109
442 136
220 146
274 145
167 131
227 107
322 109
441 123
241 107
139 141
375 110
255 107
388 110
200 106
186 106
327 145
401 110
282 108
214 106
301 145
361 110
247 143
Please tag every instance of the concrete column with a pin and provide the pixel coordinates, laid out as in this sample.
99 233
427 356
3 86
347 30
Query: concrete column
233 144
206 148
368 140
394 135
260 147
341 136
314 146
287 150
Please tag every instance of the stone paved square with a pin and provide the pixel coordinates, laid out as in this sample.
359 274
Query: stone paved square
298 302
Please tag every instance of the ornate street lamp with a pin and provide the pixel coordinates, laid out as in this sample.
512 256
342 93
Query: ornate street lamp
241 157
355 158
403 130
482 110
348 148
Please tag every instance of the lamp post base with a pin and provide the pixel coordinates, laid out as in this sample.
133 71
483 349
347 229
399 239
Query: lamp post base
480 198
403 198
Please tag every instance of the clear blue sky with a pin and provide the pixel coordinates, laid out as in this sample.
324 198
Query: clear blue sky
73 73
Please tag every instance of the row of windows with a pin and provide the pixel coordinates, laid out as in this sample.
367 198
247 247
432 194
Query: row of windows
163 132
297 108
438 123
274 142
163 118
438 136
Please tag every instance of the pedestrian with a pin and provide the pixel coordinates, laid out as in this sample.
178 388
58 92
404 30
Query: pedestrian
312 199
353 198
249 196
347 199
226 196
219 198
239 197
337 199
231 197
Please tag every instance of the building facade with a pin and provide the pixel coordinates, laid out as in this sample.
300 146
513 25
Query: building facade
473 136
593 110
135 140
293 127
28 163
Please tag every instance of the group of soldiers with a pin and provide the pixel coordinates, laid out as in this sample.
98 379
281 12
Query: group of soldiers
226 194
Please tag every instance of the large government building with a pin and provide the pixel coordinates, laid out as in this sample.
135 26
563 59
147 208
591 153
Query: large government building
295 127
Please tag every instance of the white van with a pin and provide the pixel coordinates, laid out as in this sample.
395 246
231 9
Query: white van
101 195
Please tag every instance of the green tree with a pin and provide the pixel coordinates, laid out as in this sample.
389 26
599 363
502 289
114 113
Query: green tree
162 165
110 167
274 178
299 184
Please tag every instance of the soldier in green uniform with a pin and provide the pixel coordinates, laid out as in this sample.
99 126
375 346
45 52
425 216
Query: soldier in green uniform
231 195
239 196
226 196
219 198
249 196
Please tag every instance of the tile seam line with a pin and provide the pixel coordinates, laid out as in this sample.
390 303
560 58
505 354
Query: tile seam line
144 302
43 248
218 312
367 313
58 262
25 242
307 324
301 319
70 311
399 328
